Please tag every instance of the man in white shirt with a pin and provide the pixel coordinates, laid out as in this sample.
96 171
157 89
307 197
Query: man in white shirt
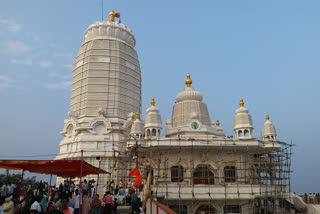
76 199
3 194
10 188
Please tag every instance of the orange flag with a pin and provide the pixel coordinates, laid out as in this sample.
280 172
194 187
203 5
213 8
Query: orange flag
135 172
117 15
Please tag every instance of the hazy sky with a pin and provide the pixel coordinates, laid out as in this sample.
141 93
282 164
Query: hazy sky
264 51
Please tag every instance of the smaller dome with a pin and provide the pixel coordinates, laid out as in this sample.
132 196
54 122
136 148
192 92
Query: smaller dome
153 118
268 130
242 122
242 119
137 128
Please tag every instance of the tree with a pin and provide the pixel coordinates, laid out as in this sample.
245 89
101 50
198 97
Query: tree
16 179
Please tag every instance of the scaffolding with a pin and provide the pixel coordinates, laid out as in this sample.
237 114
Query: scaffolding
206 179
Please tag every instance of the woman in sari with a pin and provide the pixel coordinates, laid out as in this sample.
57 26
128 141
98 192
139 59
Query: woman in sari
95 205
85 204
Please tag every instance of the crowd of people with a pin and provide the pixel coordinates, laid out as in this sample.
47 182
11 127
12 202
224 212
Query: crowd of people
65 198
311 198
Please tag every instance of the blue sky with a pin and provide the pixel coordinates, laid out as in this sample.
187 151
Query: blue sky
264 51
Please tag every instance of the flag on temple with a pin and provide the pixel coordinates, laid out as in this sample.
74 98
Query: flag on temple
135 172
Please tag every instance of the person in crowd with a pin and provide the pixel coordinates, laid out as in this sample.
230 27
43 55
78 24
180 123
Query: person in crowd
8 206
51 207
85 204
115 205
1 211
64 206
122 191
108 201
95 205
43 200
3 192
65 186
36 207
85 186
120 183
76 199
11 188
116 190
134 201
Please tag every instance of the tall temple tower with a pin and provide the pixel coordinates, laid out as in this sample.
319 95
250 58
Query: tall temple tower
105 96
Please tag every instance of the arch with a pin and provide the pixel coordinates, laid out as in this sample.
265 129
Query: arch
148 132
246 133
154 132
70 129
240 133
206 209
230 174
203 175
177 173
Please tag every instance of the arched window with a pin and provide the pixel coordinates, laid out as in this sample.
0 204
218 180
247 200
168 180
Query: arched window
159 132
203 175
148 132
231 209
177 174
230 174
206 209
154 132
240 133
246 133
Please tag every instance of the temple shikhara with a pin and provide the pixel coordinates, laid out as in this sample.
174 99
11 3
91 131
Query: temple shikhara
194 166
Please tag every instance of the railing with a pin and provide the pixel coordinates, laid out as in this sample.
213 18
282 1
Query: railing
158 208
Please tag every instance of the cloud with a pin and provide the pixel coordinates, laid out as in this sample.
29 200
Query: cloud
44 64
11 25
16 47
62 85
21 61
61 76
5 82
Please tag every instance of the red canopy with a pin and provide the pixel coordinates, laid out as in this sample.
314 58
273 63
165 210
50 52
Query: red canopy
62 168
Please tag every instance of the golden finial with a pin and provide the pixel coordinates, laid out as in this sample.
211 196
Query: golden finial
241 102
267 117
218 123
152 101
111 16
188 80
137 116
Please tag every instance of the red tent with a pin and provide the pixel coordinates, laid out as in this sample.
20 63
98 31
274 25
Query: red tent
62 168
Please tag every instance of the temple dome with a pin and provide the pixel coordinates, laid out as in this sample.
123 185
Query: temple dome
242 122
190 115
137 128
153 122
110 30
189 94
268 130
